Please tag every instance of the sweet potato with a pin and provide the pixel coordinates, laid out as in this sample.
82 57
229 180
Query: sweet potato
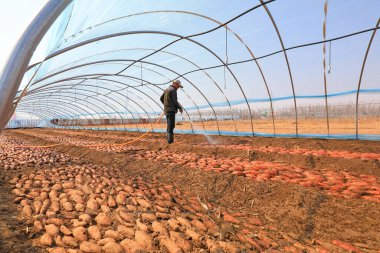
103 219
143 240
104 241
89 247
230 218
170 245
128 233
70 241
159 228
346 246
46 240
130 246
112 247
80 234
52 230
181 242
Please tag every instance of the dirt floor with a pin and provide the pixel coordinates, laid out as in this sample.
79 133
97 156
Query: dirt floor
264 194
282 126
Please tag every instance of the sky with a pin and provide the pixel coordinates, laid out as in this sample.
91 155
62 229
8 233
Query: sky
15 16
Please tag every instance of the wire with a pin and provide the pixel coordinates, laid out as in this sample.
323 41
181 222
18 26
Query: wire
282 50
194 35
141 72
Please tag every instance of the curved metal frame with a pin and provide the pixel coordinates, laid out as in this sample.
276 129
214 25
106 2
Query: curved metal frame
324 66
220 24
92 97
59 112
36 93
57 105
360 80
48 112
140 60
128 86
87 96
286 59
123 83
20 57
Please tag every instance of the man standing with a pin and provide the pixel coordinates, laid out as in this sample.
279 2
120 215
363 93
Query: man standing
171 107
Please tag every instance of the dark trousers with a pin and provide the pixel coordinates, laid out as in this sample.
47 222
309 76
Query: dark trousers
170 120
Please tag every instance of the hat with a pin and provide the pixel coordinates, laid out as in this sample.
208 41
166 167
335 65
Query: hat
178 82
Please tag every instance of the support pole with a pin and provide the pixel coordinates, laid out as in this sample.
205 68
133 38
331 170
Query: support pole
18 62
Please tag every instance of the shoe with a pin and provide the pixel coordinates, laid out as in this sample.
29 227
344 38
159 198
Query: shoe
170 138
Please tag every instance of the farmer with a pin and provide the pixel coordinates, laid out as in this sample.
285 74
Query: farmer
171 107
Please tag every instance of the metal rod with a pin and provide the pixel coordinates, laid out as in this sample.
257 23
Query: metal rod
21 55
360 79
286 59
324 67
88 85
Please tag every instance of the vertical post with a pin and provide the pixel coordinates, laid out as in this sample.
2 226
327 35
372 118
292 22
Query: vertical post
360 79
286 59
324 66
21 55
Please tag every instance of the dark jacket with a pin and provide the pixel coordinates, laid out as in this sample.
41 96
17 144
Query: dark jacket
170 101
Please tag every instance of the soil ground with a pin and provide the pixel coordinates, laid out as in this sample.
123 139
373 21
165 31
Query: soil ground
304 213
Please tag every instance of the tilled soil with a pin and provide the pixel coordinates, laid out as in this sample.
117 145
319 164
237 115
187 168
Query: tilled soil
13 231
287 216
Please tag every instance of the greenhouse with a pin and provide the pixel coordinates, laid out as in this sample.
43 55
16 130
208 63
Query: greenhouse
252 69
136 126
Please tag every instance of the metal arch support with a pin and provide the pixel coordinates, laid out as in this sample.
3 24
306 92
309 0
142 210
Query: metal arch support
286 59
245 45
45 116
87 64
51 112
67 104
360 79
223 63
221 24
162 33
89 85
205 72
135 79
58 87
75 110
324 66
154 85
70 110
76 78
20 57
131 93
46 77
109 80
42 115
70 103
72 107
47 113
72 78
46 88
131 87
87 96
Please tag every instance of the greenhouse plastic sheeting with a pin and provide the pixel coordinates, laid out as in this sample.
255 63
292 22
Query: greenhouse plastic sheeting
249 68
